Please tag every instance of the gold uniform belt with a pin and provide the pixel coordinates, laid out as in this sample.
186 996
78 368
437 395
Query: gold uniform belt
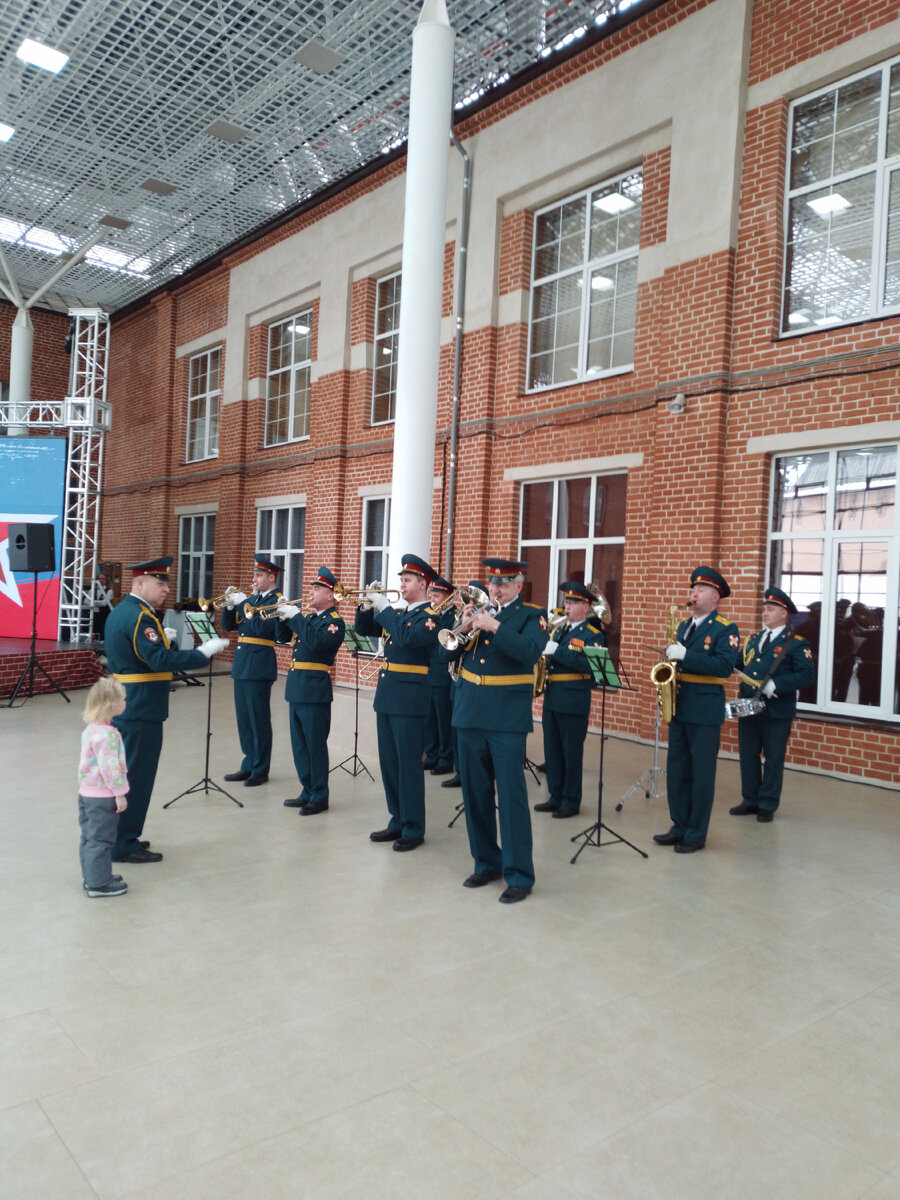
700 679
407 669
256 641
150 677
564 677
495 680
307 666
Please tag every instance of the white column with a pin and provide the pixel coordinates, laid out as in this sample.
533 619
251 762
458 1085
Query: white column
21 349
422 280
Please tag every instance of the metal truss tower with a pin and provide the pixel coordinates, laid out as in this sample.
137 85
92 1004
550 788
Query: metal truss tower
86 416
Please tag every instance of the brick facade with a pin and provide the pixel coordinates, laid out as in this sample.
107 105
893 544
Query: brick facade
707 325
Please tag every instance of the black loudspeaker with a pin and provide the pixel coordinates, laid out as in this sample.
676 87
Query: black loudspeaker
31 548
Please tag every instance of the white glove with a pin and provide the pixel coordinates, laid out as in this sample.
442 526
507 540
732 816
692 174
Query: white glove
769 689
171 634
380 602
551 648
214 646
287 612
676 651
236 598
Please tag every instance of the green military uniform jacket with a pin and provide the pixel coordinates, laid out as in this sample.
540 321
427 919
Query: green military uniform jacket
709 659
794 669
569 678
316 639
254 654
411 637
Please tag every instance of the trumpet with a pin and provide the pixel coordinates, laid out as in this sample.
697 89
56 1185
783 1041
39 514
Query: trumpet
218 602
458 637
375 588
466 595
267 611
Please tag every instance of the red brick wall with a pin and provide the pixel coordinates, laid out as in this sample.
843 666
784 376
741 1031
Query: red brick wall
707 326
787 34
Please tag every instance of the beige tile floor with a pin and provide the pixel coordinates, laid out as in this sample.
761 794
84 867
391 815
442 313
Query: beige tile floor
282 1009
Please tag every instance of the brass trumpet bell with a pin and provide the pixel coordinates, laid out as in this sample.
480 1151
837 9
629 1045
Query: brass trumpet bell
375 588
218 602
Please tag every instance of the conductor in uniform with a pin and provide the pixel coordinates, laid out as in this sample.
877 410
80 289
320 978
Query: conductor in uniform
253 671
777 664
567 700
492 716
316 638
139 655
705 654
401 697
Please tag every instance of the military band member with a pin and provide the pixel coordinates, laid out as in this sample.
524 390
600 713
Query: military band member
400 699
492 716
567 700
438 749
316 639
139 655
705 652
784 661
253 671
454 781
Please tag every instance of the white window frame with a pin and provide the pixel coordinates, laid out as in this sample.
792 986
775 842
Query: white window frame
385 347
802 319
299 369
374 548
831 539
572 546
195 566
269 541
587 273
204 405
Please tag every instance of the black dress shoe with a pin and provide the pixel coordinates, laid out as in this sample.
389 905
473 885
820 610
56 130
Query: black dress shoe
454 782
405 843
668 839
295 802
385 835
309 810
255 780
687 847
765 814
441 771
744 810
144 845
480 878
139 856
513 894
547 806
428 763
237 776
562 813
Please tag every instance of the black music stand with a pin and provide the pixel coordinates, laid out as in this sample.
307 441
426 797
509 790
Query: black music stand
201 624
356 643
605 674
34 663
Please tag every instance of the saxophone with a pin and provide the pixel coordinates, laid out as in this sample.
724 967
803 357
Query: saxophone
556 619
663 674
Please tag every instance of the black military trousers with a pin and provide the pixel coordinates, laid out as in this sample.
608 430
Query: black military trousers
691 778
143 745
761 778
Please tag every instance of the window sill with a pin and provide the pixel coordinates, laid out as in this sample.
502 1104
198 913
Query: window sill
579 382
821 717
286 442
192 462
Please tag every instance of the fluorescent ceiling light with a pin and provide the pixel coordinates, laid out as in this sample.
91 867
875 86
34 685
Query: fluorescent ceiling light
300 329
51 243
828 320
115 260
42 56
6 132
601 283
614 203
800 317
826 205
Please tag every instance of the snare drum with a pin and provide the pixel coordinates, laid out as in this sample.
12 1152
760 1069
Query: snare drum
750 706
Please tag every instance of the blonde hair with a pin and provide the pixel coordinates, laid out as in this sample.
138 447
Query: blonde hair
100 699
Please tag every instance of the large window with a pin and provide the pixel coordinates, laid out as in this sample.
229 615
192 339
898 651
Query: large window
835 549
584 284
842 259
575 529
204 398
387 325
376 539
288 380
281 535
196 543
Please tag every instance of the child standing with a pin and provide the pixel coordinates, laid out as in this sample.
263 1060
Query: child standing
102 784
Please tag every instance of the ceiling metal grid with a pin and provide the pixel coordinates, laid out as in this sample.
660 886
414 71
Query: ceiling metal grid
147 78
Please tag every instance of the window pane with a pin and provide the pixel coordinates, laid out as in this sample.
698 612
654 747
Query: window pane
537 575
798 569
265 529
606 578
859 622
865 489
893 143
892 265
375 523
537 510
609 506
298 528
573 514
282 516
801 493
